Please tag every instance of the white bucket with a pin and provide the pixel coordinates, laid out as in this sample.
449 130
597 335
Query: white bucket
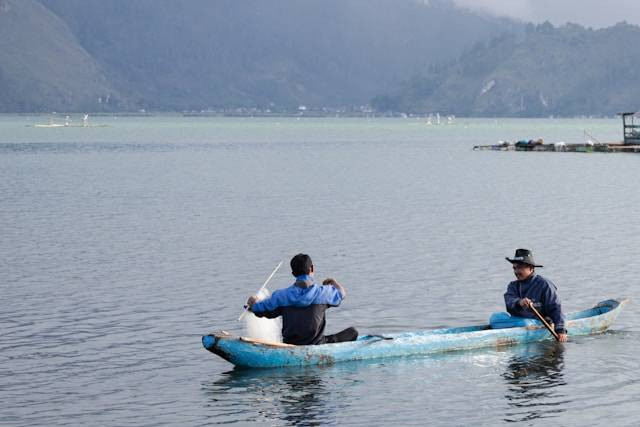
261 327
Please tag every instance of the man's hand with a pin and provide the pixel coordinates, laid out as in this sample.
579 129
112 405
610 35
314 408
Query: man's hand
330 281
252 300
563 337
525 302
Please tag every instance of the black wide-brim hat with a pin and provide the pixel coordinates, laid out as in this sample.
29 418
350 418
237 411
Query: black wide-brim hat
523 256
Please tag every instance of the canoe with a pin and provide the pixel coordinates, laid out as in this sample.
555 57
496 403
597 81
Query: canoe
250 353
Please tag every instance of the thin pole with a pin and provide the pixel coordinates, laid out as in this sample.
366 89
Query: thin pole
246 307
544 322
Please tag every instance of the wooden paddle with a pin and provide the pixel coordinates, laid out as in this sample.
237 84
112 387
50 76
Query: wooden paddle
549 328
265 342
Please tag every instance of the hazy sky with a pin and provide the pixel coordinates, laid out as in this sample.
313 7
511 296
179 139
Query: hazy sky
590 13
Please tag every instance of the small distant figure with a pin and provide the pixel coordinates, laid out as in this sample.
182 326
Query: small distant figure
531 289
302 306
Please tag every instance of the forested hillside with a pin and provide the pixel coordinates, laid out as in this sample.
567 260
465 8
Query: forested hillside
43 67
542 71
199 54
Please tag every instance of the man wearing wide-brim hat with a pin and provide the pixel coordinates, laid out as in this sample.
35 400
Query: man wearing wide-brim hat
531 289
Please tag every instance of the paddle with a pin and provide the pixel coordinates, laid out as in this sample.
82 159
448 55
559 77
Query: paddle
246 307
549 328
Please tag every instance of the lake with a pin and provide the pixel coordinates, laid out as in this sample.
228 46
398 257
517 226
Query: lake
123 243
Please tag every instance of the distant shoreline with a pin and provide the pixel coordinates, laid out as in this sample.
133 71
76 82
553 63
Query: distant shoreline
307 114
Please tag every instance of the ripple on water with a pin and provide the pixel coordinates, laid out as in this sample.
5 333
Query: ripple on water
119 249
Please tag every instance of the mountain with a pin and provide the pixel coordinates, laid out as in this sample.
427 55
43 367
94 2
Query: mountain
542 71
199 54
43 67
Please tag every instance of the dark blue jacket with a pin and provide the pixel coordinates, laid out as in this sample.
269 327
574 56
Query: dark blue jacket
302 307
543 294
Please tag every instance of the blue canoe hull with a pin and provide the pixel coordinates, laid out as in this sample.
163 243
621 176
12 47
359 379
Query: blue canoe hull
247 353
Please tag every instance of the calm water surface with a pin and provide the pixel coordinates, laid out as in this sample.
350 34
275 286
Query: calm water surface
122 244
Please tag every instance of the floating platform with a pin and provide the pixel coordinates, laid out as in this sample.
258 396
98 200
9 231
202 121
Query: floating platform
561 147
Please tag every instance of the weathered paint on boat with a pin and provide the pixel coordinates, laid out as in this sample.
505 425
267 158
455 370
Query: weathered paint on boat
248 353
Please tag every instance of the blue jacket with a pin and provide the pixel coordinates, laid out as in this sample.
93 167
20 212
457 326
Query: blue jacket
543 294
302 307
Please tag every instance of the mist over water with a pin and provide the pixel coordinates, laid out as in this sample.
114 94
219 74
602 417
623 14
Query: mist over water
122 245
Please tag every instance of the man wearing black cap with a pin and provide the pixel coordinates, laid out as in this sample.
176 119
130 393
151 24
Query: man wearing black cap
532 289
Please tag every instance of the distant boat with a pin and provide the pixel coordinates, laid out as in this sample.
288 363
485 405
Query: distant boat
67 123
51 124
435 120
430 119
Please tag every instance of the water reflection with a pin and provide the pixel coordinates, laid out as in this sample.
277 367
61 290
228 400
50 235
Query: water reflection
296 396
534 382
